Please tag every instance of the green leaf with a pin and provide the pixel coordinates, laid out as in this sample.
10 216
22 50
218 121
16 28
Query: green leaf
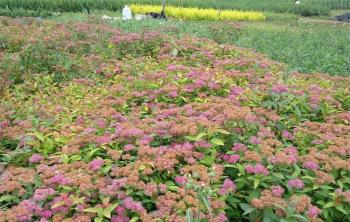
208 160
207 205
256 182
196 138
57 204
100 212
329 204
66 188
296 172
189 215
201 135
134 219
75 158
77 200
247 208
92 152
278 175
108 210
217 142
192 138
299 217
40 136
98 219
222 131
65 158
91 210
173 188
341 209
106 168
7 197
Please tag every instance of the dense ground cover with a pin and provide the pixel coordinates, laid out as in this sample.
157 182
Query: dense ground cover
99 123
307 8
302 45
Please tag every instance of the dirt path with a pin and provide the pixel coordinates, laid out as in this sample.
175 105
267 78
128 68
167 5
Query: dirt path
324 22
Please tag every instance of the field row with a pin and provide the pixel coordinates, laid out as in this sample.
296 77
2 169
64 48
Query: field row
307 8
200 14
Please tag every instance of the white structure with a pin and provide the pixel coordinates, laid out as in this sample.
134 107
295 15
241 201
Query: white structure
126 13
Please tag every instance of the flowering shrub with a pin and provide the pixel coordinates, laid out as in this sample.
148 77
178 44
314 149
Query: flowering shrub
200 14
194 131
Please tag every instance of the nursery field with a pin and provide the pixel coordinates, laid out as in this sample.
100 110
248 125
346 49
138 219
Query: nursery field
301 45
105 121
46 7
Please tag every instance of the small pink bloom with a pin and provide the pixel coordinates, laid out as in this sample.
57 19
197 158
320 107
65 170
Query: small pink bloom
96 164
89 130
162 188
129 147
231 158
45 214
287 135
238 147
255 140
120 210
227 186
35 158
279 89
101 123
180 180
296 183
236 90
313 212
221 217
311 165
277 191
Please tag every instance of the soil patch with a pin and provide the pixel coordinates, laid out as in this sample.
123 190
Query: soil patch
343 18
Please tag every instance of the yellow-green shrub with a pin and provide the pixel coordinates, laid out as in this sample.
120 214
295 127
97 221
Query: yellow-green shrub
200 14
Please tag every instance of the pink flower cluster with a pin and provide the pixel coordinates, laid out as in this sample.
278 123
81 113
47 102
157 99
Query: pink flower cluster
150 189
113 188
313 212
257 169
277 191
96 164
255 140
296 183
134 206
42 194
344 194
231 158
180 180
227 186
287 135
120 217
59 179
279 89
35 158
239 147
311 165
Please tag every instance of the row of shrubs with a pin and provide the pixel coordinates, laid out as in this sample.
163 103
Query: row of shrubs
306 8
200 14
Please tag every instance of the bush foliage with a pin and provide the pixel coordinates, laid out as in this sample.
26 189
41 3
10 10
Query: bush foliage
114 126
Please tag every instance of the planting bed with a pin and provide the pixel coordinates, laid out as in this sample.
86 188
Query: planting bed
98 124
